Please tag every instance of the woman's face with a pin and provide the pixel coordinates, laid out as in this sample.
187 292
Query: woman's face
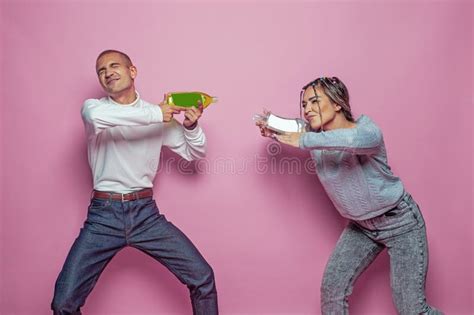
313 103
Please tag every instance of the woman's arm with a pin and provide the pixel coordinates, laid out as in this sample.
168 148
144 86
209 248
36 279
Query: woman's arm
359 140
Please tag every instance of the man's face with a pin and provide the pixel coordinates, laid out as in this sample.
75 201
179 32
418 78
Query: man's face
115 74
313 103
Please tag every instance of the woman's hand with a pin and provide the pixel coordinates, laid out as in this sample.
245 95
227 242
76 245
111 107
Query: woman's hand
262 125
264 131
289 138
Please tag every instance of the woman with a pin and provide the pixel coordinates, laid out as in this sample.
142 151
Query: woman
351 163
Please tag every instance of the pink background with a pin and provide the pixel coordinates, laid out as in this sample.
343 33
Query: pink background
407 64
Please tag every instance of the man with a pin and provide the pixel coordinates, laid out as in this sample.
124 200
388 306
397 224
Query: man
125 135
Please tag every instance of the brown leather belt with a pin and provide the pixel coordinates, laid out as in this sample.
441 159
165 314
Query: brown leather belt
148 192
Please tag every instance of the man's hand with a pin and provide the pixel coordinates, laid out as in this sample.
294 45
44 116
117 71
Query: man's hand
290 138
169 110
192 115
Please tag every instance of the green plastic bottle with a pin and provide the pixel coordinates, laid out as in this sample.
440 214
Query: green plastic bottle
190 99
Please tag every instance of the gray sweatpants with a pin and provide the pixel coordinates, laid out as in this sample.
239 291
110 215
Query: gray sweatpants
400 230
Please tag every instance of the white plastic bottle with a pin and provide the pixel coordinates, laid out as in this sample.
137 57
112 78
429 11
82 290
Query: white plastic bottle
280 124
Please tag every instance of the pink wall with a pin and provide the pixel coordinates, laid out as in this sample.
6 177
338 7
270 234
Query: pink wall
267 234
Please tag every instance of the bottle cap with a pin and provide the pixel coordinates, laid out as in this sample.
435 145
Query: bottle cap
258 117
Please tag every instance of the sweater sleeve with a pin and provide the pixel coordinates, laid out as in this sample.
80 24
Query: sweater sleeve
98 115
364 140
189 144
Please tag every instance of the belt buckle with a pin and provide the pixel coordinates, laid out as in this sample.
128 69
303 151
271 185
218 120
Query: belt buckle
123 200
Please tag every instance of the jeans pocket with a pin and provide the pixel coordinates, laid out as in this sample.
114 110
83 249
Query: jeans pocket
398 211
396 221
98 204
146 202
100 213
393 212
416 212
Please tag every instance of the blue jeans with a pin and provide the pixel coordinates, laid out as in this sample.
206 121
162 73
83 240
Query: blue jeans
400 230
110 226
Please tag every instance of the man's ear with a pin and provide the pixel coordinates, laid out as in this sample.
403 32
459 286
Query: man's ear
133 72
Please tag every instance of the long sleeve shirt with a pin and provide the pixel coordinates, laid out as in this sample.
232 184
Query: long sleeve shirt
124 143
352 166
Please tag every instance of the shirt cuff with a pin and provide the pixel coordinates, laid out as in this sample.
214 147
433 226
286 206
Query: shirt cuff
301 142
193 133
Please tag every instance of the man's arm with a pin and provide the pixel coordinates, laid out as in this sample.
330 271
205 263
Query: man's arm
189 144
187 140
100 116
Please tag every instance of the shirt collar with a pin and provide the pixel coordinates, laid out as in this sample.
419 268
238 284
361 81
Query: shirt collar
137 98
